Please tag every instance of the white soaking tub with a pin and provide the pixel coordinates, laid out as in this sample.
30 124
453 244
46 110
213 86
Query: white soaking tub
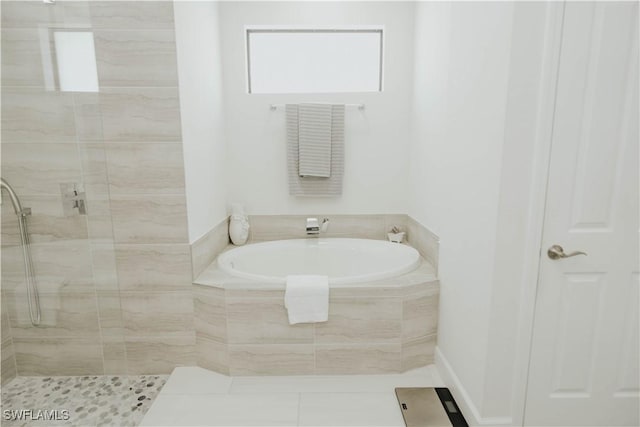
345 261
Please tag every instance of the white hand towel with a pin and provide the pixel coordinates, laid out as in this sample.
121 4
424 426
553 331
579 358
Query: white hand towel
307 298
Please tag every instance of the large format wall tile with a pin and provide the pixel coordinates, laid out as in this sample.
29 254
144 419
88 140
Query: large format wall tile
136 57
105 273
34 115
46 223
420 315
39 169
131 14
61 266
110 314
58 356
153 267
20 47
63 314
263 321
95 178
8 362
88 115
424 240
210 315
209 246
362 320
21 14
157 313
159 355
418 352
211 354
141 115
278 227
114 354
149 219
145 168
279 359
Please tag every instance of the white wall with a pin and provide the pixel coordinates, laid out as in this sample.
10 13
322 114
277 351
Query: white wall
477 113
202 112
376 140
461 77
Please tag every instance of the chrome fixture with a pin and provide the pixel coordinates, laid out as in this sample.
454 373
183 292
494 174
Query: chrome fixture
314 228
29 272
557 252
73 199
361 107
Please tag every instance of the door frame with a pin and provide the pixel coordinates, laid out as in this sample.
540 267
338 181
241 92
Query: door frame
536 206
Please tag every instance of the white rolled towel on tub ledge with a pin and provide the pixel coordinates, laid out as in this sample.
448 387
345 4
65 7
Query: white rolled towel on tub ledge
306 298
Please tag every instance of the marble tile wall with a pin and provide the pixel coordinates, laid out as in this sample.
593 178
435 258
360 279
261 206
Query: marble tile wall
276 227
7 351
378 329
424 240
206 249
115 284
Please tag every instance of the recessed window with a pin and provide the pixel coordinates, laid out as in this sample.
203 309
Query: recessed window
314 61
76 61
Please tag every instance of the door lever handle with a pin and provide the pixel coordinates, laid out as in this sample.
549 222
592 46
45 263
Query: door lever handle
557 252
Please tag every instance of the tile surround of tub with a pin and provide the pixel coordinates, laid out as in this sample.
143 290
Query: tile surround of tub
424 240
278 227
378 327
208 247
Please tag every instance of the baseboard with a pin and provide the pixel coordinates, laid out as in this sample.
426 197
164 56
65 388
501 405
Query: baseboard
468 408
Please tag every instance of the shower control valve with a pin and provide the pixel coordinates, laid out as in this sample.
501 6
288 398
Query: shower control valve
73 199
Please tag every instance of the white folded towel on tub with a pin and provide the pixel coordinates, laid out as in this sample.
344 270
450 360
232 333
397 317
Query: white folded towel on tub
307 298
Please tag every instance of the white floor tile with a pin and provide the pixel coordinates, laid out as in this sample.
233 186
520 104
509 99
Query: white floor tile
194 380
435 375
350 409
327 384
223 410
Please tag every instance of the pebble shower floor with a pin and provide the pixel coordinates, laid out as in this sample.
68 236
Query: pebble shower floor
88 400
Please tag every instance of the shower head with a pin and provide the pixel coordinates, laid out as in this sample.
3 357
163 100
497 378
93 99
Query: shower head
17 207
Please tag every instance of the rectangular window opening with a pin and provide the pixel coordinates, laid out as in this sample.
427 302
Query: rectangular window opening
314 60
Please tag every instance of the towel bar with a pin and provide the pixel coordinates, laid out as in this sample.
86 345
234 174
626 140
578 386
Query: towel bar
274 107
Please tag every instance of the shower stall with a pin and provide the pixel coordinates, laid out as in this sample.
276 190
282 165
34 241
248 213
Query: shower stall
95 276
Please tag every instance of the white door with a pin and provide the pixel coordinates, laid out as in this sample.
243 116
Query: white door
584 357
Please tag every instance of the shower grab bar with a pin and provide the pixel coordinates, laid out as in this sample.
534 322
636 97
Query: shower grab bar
33 298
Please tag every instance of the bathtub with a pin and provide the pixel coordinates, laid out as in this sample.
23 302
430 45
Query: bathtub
345 261
383 309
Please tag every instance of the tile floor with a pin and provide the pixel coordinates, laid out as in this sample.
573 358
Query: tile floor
198 397
90 400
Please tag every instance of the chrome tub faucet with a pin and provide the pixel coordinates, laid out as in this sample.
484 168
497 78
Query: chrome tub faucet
314 228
